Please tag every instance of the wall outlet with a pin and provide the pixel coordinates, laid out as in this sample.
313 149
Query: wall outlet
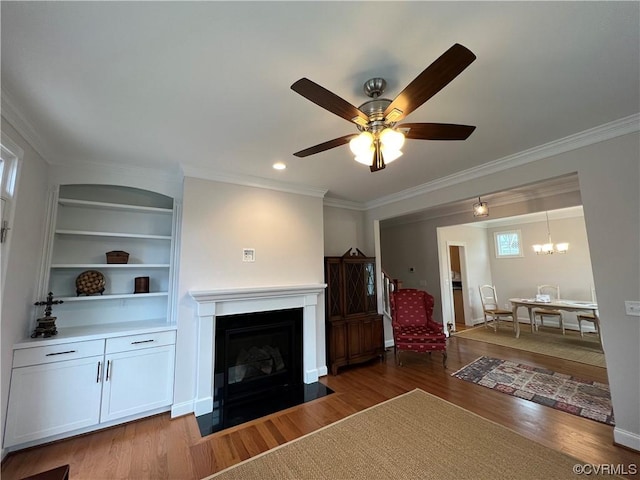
632 307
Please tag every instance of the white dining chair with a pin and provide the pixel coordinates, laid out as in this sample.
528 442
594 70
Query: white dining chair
554 293
491 308
589 317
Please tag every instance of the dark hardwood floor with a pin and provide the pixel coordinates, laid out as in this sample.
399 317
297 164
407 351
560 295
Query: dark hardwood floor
161 448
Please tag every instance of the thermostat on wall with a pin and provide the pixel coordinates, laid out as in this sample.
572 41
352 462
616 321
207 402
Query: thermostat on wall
248 254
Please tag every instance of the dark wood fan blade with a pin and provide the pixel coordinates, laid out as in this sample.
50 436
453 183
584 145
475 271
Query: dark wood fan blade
329 101
336 142
433 79
436 131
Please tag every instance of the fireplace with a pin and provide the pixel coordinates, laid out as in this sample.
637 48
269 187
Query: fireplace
257 353
215 305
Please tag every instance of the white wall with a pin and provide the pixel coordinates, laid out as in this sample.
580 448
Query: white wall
609 175
24 257
477 250
219 220
343 229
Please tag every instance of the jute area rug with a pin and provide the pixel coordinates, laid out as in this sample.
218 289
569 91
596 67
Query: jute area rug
547 341
584 398
413 436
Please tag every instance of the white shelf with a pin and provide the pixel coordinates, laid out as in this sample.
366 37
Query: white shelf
110 265
116 296
113 234
112 206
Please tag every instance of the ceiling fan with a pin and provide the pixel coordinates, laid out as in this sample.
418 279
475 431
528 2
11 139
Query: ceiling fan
380 139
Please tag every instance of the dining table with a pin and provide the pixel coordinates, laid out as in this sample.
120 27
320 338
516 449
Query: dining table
557 304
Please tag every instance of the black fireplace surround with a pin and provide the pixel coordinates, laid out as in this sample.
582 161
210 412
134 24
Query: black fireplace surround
258 368
257 352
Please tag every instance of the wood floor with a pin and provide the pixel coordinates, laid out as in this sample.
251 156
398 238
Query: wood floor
161 448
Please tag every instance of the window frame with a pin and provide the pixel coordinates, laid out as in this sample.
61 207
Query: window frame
11 157
496 244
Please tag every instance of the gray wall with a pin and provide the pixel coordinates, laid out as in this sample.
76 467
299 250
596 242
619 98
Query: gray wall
609 175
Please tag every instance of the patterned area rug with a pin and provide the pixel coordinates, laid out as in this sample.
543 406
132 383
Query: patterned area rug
563 392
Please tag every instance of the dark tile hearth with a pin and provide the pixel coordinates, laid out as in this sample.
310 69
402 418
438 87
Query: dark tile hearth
247 409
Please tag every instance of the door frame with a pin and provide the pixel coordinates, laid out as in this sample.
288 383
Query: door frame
446 285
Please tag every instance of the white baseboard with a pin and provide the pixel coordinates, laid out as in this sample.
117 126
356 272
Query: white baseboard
626 439
323 371
388 343
180 409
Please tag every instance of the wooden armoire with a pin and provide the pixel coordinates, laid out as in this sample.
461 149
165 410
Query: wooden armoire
355 332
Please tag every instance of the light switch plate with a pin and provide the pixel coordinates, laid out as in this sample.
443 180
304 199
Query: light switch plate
632 307
248 254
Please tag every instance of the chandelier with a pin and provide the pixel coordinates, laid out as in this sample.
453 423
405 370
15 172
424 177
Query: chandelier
549 248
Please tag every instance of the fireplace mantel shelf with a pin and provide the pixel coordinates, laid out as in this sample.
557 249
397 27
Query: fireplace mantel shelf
223 294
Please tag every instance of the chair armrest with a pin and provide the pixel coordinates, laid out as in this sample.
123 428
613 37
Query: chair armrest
434 326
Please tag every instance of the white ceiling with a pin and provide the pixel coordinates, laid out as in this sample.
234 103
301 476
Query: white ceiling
205 85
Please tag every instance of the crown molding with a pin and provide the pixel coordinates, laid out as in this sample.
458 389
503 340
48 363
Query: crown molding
251 181
22 126
346 204
585 138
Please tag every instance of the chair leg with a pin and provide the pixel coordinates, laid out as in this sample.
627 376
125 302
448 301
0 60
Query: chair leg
562 323
580 327
444 359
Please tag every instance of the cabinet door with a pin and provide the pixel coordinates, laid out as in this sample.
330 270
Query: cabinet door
137 382
359 286
335 290
372 335
354 338
53 398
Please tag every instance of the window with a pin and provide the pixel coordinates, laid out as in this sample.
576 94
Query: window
9 153
508 244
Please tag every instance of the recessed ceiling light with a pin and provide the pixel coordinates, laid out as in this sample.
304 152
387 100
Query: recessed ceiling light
279 166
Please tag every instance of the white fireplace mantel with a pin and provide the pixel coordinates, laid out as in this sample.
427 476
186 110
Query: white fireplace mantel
220 302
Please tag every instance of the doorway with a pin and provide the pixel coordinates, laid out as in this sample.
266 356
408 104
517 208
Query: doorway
457 286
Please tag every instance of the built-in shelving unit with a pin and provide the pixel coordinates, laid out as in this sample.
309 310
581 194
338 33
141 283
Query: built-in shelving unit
115 330
91 220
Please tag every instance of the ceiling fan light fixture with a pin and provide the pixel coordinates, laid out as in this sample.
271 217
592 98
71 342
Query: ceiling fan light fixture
365 159
362 145
390 155
391 139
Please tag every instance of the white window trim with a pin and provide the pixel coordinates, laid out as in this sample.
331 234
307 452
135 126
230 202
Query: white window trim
11 155
504 232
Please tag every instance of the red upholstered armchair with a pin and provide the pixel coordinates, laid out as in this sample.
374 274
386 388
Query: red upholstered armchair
413 327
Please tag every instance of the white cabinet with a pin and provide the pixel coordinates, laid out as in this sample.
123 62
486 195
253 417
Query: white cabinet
139 378
54 389
69 388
